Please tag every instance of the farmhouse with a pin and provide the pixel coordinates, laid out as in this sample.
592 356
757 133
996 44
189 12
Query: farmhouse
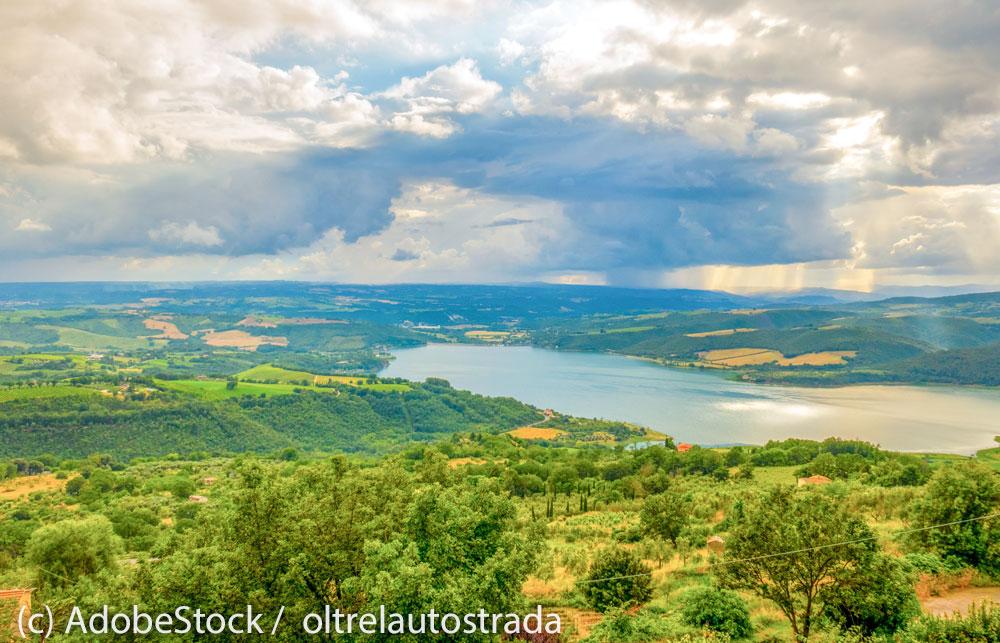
684 447
814 480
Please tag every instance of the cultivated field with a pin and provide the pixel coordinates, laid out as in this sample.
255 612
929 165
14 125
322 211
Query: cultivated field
756 356
168 330
241 339
714 333
536 433
488 335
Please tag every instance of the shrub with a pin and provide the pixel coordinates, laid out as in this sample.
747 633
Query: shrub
618 578
719 610
65 551
645 627
980 625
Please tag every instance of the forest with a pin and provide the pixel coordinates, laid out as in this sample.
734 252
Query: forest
142 420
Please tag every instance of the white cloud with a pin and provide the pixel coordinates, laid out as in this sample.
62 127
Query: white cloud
788 100
509 51
119 82
954 229
458 87
190 234
443 232
28 225
418 124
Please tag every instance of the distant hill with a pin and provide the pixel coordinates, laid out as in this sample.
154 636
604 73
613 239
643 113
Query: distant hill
354 419
429 304
979 365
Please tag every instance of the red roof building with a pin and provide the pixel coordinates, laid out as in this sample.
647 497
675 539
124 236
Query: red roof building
814 480
684 447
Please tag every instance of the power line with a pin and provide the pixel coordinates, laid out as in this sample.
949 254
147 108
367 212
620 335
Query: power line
802 551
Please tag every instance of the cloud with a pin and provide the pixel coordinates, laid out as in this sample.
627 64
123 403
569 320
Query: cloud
404 255
617 142
450 242
509 51
190 234
27 225
456 88
947 230
117 82
499 223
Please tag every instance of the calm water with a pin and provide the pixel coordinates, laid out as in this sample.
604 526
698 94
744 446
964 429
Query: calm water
705 409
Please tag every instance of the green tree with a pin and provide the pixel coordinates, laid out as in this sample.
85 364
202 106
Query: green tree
880 601
563 479
960 493
74 485
181 487
332 533
65 551
618 578
664 516
825 556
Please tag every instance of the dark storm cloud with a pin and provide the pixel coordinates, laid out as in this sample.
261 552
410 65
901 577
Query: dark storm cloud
631 198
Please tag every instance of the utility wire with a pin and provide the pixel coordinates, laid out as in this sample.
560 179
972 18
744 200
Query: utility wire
802 551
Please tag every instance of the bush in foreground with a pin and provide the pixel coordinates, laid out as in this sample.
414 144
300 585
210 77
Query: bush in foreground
718 610
618 578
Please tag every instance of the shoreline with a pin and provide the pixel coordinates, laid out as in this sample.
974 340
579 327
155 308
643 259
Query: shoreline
723 372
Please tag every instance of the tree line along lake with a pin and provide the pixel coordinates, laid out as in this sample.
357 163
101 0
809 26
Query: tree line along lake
704 408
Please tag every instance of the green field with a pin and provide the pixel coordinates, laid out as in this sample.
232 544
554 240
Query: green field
990 457
83 339
269 372
216 390
629 329
939 459
12 394
775 475
285 376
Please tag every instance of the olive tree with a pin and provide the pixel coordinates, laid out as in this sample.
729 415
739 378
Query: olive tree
797 549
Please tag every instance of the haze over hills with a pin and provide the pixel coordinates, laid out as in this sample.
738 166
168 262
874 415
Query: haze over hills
352 327
537 297
822 296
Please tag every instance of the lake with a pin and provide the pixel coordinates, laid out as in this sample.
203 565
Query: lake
706 409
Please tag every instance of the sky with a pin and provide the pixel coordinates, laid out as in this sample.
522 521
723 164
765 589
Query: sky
723 144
